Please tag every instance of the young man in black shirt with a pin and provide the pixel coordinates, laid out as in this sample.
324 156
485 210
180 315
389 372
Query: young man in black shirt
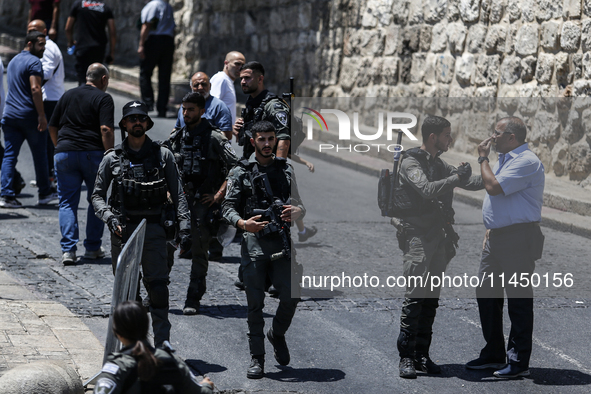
90 18
81 129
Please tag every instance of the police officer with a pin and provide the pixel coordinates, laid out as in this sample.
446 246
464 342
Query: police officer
261 105
142 173
139 368
204 156
423 201
265 182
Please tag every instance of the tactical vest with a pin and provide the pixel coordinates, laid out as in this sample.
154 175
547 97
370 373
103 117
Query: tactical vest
406 201
281 188
144 184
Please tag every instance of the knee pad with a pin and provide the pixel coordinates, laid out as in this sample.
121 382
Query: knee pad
158 292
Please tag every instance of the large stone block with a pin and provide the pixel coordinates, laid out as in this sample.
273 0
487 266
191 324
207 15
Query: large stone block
586 61
570 36
476 37
469 10
526 41
513 10
456 35
439 37
417 71
495 39
444 68
528 68
391 39
510 70
571 9
550 37
434 10
425 37
545 68
548 9
464 68
487 70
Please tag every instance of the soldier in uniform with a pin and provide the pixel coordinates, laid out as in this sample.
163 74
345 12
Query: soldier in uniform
423 201
265 182
143 172
204 156
261 105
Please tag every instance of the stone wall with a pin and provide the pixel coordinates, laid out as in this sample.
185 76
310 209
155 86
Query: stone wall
390 48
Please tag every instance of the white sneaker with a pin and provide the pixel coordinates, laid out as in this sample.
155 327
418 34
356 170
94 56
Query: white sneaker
69 258
94 254
44 200
10 202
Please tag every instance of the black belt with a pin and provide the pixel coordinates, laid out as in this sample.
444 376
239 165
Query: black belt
513 227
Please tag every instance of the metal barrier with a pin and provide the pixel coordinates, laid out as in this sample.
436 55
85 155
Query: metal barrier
125 287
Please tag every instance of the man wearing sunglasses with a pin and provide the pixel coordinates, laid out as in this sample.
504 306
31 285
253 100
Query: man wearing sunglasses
143 173
81 129
512 211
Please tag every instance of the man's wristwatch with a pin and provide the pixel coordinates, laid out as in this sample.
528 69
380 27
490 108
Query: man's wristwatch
481 159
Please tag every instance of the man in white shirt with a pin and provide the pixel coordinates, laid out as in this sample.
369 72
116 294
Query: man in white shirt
222 83
53 86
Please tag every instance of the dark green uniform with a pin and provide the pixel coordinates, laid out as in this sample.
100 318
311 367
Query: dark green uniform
425 198
266 106
263 257
119 376
147 176
204 157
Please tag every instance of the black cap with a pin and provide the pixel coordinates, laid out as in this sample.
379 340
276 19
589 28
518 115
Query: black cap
135 108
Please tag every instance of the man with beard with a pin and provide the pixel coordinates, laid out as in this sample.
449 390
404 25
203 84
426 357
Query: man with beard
265 182
24 119
81 129
261 105
204 157
142 173
423 202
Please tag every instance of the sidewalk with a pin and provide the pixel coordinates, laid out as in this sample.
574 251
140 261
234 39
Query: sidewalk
32 329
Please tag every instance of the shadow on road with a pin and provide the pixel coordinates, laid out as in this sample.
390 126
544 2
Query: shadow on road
540 376
288 374
203 367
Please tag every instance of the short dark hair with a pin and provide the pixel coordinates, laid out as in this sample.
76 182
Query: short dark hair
195 98
33 36
263 126
254 66
433 125
515 125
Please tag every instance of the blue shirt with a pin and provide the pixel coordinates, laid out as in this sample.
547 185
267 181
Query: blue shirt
19 100
161 13
216 112
521 177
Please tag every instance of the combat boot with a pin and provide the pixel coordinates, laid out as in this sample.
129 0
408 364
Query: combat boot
407 368
256 370
281 351
423 363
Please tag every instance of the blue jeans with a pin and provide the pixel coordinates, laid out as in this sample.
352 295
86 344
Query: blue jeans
15 133
72 168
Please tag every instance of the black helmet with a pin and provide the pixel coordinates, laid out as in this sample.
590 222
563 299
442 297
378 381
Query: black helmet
135 108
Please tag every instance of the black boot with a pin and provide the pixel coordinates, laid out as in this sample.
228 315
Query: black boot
256 370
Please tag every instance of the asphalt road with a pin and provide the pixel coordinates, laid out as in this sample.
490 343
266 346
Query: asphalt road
345 343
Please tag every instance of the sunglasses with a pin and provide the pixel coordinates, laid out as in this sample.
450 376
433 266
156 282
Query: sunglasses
135 118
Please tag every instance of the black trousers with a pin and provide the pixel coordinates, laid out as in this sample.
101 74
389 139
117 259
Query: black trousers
159 51
85 57
509 252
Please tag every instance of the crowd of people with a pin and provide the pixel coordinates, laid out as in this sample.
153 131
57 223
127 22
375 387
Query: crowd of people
195 179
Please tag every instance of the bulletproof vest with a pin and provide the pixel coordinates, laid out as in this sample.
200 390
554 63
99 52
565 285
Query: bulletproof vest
167 379
406 200
258 197
194 155
144 184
